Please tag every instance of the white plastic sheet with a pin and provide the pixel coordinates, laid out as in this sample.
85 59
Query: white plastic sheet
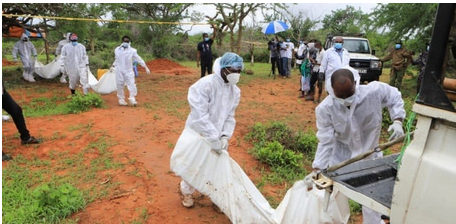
302 206
48 71
222 179
106 84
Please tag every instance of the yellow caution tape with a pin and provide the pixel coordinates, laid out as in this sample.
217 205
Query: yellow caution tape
103 20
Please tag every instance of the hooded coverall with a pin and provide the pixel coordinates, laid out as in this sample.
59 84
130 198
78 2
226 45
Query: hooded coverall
26 49
345 132
76 62
125 74
58 51
213 104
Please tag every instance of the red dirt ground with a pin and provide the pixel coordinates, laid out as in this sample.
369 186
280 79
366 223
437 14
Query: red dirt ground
147 136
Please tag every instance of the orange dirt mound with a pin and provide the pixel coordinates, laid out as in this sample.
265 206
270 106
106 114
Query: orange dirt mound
166 66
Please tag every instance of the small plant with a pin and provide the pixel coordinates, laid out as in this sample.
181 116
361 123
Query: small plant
81 103
57 202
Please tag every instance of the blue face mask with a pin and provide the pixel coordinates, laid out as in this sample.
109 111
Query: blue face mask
288 40
338 46
398 46
206 39
74 43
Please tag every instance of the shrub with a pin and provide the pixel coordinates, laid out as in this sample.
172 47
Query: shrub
81 103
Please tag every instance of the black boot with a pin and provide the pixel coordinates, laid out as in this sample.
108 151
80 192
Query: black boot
73 91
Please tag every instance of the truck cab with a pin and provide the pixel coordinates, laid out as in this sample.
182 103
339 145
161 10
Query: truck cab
361 56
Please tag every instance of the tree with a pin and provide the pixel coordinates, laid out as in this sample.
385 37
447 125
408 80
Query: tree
406 21
344 21
232 17
300 25
160 36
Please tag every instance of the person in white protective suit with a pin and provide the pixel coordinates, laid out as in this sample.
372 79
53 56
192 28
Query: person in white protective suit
334 58
26 50
213 101
75 62
125 75
58 51
349 123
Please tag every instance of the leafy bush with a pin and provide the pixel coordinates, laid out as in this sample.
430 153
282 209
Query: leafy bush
275 155
277 131
282 150
81 103
62 200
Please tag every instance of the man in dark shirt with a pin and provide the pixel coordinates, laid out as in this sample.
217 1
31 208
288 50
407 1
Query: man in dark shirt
204 54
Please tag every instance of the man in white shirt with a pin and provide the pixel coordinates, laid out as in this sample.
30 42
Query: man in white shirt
290 47
335 57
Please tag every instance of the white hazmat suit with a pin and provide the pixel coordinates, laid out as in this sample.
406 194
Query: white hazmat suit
345 132
58 51
26 50
213 104
332 61
75 61
125 75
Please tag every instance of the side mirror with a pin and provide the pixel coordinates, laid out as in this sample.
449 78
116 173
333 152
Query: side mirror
373 52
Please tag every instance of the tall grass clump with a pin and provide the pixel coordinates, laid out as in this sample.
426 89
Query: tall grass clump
285 151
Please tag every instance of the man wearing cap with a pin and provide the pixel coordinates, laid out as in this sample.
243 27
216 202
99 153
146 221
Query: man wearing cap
58 51
213 101
75 63
204 53
400 58
26 49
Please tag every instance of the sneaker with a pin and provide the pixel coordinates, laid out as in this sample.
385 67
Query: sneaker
5 117
187 200
6 157
122 102
31 140
63 79
132 101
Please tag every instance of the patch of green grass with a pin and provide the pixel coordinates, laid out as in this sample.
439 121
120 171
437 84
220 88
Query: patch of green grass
48 190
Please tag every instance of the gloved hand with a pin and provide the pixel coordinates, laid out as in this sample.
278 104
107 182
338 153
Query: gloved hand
309 179
217 146
397 130
147 71
224 141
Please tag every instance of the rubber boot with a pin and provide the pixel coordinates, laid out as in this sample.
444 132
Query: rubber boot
73 91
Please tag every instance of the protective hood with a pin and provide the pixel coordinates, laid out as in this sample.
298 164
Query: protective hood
68 36
24 36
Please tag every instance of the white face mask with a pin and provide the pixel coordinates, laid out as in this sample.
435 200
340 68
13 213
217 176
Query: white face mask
125 44
347 101
233 78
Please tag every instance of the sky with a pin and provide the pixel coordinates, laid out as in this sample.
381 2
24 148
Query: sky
315 11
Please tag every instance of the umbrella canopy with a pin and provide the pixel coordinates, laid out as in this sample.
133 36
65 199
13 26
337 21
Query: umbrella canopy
275 27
